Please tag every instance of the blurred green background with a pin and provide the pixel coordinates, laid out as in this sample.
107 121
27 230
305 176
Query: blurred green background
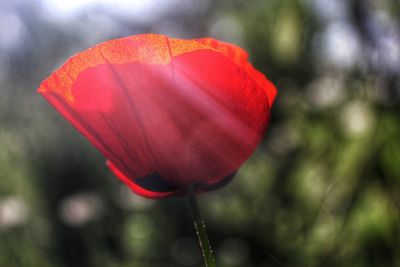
323 188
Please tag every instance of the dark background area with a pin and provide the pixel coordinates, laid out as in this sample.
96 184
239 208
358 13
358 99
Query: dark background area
323 188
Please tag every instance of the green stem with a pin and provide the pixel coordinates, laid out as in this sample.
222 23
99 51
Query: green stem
201 232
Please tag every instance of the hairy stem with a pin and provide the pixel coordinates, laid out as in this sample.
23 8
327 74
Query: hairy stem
201 232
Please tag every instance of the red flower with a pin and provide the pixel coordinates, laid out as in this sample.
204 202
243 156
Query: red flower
166 113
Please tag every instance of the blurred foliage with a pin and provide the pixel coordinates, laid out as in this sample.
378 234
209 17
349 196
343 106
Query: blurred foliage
323 189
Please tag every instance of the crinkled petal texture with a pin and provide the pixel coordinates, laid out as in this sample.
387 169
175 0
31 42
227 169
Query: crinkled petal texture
166 113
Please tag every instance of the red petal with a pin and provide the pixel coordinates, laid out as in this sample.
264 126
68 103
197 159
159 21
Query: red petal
153 105
239 56
138 189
